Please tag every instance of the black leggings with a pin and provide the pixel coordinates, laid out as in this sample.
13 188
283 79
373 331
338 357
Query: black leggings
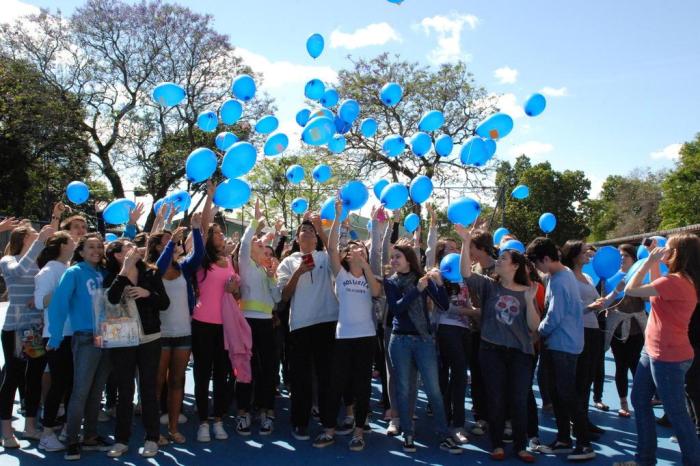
454 345
477 382
210 357
626 356
61 369
13 373
263 364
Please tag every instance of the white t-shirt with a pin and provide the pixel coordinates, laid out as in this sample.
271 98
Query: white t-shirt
355 316
45 283
175 320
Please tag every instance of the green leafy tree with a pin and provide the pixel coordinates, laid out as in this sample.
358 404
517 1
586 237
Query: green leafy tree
680 204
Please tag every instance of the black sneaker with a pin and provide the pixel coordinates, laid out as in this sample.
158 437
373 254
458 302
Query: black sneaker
300 433
556 448
72 452
450 446
508 436
243 425
663 421
323 440
347 427
408 445
581 454
96 444
315 413
594 429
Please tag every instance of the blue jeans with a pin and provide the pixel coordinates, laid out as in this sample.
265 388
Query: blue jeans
406 352
90 371
668 380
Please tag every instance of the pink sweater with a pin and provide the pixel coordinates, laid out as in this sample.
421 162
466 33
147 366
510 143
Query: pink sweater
212 289
238 339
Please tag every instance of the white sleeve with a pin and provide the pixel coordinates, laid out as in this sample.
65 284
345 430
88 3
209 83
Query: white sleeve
44 284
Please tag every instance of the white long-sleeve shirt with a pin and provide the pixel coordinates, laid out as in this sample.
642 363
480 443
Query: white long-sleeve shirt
45 283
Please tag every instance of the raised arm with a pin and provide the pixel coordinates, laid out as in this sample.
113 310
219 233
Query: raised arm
533 317
192 262
316 220
58 209
635 286
22 266
375 251
333 239
207 215
465 262
432 239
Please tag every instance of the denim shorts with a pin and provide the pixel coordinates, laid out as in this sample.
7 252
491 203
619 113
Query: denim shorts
173 343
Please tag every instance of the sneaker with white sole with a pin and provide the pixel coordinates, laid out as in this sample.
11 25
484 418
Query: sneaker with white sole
408 445
117 450
460 436
203 434
479 427
449 445
357 443
243 425
394 428
150 449
556 448
49 442
300 433
266 425
323 440
533 444
219 432
347 426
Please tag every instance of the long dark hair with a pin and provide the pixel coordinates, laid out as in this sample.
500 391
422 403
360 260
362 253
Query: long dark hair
52 250
81 245
483 240
16 243
629 250
522 274
210 252
570 251
440 248
152 253
407 250
113 266
686 259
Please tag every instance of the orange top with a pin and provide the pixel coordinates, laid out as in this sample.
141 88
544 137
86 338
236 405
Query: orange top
666 334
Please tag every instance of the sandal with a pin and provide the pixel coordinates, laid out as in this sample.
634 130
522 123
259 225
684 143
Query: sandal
525 456
176 437
622 412
602 406
498 454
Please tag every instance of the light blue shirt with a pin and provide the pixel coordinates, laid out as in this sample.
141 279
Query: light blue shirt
562 326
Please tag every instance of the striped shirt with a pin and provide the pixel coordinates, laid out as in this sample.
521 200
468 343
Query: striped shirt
19 273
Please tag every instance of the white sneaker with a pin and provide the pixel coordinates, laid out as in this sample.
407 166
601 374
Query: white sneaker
150 449
50 442
460 436
164 419
117 450
203 432
393 430
219 432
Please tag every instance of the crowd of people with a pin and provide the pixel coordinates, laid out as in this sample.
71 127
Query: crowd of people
319 312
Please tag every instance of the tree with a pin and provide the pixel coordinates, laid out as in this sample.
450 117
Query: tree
42 143
681 189
561 193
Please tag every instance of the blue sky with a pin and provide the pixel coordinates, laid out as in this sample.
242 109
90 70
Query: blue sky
621 76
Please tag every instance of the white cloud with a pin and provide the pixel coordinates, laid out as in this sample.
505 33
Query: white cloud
282 72
506 75
508 103
372 34
554 92
532 149
670 152
14 9
596 185
449 34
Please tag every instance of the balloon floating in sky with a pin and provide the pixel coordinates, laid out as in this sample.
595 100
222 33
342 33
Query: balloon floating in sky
431 120
463 211
302 116
391 94
314 45
318 131
393 145
512 245
200 164
354 195
181 200
117 212
243 87
421 189
168 94
378 186
499 234
232 194
607 261
266 124
77 192
394 196
349 110
475 152
329 98
299 205
314 89
535 105
225 140
295 174
444 145
328 210
520 192
421 143
411 222
368 127
207 121
239 160
322 173
276 144
449 268
496 126
547 222
231 111
337 144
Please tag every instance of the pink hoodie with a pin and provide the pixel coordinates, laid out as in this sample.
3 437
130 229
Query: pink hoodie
238 339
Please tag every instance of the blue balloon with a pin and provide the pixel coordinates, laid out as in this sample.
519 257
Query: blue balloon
276 144
318 131
200 164
499 234
328 210
302 116
391 94
590 271
337 144
349 110
444 145
109 237
411 222
230 111
421 189
314 45
463 211
660 241
353 235
607 261
329 98
647 278
354 195
158 204
239 160
378 186
117 212
243 87
421 143
207 121
431 121
612 282
181 200
225 140
341 126
496 126
267 124
77 192
535 105
394 196
520 192
322 173
314 89
322 112
300 205
232 194
393 145
368 127
642 252
547 222
295 174
449 268
168 94
475 152
490 147
512 245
